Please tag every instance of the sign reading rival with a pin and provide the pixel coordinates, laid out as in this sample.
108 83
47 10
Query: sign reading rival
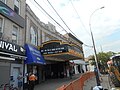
11 48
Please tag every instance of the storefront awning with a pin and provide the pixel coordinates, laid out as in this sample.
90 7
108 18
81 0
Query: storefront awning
79 62
60 51
33 55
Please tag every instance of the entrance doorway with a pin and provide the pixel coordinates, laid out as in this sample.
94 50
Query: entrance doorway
15 75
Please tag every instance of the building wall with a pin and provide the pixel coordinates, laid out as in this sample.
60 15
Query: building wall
46 32
8 24
10 3
8 65
7 32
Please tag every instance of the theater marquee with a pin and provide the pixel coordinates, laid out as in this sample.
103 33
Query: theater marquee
60 50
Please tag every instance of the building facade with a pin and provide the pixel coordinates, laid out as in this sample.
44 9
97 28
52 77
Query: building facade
29 45
12 29
34 61
38 33
56 49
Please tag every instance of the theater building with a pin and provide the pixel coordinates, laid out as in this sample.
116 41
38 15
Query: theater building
58 54
29 45
37 33
79 64
12 29
34 61
56 50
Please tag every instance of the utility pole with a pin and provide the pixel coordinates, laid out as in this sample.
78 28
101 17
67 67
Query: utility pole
96 59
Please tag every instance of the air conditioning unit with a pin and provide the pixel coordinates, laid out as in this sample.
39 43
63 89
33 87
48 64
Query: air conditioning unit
1 34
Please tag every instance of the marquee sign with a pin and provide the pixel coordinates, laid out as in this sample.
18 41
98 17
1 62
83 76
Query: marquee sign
8 47
58 50
53 48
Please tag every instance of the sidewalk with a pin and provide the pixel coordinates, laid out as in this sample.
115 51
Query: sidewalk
53 84
92 83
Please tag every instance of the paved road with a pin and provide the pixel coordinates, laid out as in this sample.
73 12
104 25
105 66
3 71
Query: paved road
105 84
53 84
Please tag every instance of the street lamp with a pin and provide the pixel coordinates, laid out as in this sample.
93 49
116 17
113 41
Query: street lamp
96 59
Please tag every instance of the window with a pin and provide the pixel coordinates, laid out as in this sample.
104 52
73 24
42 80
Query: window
16 6
1 27
15 34
1 23
33 36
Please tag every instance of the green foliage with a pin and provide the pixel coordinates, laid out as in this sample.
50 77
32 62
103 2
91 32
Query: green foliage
103 58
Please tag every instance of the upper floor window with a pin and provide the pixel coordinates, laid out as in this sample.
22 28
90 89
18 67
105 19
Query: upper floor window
1 27
1 23
33 36
17 6
15 34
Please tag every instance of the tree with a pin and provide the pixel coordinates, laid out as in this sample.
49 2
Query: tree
103 58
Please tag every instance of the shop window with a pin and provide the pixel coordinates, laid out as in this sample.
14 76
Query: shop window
33 36
15 34
16 6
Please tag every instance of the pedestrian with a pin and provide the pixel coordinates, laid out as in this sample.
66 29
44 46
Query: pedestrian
97 75
20 77
82 71
70 72
32 78
98 88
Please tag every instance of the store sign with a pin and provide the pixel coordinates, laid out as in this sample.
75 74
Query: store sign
10 14
11 48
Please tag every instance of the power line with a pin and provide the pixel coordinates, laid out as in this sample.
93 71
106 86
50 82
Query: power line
81 23
56 21
79 16
88 45
64 21
49 15
60 17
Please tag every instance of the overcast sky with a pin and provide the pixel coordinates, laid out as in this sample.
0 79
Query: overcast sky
105 23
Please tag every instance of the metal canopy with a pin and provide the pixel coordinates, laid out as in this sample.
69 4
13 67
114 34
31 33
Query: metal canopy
60 51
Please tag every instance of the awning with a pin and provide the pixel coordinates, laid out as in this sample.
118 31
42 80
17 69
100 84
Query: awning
33 55
6 58
79 62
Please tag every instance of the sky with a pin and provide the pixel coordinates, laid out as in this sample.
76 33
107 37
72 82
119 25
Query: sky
79 16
